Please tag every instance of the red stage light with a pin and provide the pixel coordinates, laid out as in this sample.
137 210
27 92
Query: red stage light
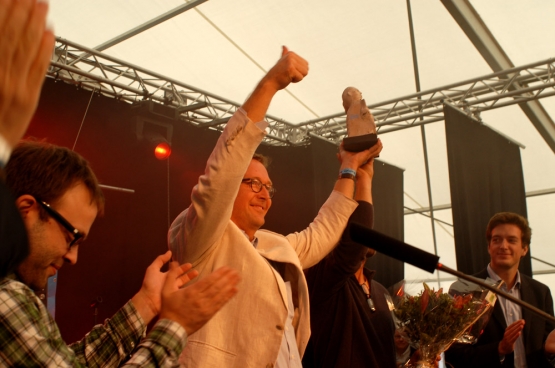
162 151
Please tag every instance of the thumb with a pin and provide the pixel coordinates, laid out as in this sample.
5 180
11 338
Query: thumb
161 260
284 50
172 274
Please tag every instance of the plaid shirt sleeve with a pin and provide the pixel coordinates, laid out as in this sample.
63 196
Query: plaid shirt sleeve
109 344
29 336
162 346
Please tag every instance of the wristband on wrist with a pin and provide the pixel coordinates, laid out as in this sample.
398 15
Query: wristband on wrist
348 174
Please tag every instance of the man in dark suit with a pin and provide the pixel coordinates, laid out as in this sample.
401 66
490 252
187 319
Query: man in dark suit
514 336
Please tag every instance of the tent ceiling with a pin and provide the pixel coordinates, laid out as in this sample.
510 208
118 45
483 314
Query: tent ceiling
223 47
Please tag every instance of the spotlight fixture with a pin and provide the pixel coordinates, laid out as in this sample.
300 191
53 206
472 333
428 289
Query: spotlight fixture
162 151
156 134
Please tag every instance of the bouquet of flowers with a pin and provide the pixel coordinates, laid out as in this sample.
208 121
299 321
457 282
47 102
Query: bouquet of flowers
433 320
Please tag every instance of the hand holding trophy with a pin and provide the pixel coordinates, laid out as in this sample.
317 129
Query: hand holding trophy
361 128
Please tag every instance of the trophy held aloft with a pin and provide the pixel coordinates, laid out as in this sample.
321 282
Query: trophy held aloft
361 128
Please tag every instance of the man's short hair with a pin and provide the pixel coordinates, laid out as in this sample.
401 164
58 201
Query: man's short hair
502 218
264 160
47 171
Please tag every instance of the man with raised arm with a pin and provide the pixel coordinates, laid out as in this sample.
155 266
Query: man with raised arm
267 324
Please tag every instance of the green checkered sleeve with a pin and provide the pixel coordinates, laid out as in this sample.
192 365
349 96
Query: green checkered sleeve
29 336
110 344
162 346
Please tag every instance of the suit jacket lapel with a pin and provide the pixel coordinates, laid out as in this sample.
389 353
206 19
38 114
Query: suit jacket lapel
278 278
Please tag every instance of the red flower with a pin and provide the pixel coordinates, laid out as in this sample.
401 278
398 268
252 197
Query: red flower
461 301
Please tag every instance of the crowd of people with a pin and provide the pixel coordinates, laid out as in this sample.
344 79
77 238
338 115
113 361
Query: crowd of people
260 299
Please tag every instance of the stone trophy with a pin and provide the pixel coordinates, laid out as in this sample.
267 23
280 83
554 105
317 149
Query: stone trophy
361 128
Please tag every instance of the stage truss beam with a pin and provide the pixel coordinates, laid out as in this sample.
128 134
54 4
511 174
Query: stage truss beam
121 80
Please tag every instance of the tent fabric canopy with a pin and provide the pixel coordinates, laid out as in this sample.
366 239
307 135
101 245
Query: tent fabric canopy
224 47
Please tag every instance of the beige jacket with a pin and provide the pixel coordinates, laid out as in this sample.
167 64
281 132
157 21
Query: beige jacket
248 331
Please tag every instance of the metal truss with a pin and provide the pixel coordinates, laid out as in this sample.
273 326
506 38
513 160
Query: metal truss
472 96
93 70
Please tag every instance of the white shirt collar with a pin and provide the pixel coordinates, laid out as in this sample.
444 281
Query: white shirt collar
495 277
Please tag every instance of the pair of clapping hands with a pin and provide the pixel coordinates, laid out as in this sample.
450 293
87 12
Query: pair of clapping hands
165 294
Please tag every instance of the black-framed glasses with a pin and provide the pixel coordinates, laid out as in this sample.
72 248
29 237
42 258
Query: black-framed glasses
77 235
256 186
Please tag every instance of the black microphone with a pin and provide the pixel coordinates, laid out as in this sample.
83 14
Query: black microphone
393 248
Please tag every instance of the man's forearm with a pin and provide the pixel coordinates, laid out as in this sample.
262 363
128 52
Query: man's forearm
364 189
258 102
112 342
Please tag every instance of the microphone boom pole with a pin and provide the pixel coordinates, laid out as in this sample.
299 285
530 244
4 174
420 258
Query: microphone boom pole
544 315
424 260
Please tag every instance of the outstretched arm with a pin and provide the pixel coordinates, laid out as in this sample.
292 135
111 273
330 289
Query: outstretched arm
365 174
195 233
329 276
347 257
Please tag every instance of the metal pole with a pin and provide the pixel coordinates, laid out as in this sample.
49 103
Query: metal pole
539 312
422 131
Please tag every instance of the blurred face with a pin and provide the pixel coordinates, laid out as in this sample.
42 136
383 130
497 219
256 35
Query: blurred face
370 253
400 343
48 240
250 208
506 248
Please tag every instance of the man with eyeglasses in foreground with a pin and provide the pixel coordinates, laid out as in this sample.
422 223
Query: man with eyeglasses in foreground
58 200
58 197
267 323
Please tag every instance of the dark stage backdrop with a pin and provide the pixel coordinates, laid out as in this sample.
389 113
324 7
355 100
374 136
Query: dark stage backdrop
133 230
388 195
485 174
